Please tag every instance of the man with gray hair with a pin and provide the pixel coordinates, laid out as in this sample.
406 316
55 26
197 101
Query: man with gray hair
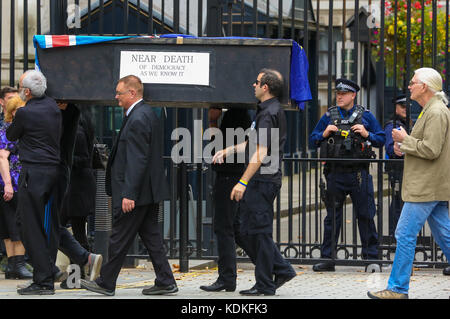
38 129
426 179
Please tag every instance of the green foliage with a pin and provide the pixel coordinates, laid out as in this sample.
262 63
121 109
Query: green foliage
418 49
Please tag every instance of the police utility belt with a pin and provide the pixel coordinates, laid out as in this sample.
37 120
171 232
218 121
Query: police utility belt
345 143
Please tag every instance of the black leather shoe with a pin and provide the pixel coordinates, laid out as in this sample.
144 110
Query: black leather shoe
326 266
281 280
446 271
94 287
254 292
35 289
218 286
160 290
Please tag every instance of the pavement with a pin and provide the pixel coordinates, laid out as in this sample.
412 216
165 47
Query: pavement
345 283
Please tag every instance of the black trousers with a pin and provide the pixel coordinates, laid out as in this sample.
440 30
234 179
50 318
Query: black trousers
227 228
359 186
39 219
143 221
256 208
68 245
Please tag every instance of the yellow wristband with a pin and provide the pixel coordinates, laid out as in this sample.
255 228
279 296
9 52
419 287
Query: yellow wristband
243 182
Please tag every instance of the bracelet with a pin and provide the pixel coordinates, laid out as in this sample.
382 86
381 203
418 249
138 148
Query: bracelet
243 182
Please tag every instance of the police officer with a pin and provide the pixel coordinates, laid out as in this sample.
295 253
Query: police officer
395 170
348 131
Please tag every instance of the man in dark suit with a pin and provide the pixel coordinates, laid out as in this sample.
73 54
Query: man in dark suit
37 126
136 181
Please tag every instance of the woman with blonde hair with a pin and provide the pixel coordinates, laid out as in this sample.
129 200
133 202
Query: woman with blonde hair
9 175
11 107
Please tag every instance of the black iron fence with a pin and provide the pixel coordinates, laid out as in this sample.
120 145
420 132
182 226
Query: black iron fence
299 212
378 45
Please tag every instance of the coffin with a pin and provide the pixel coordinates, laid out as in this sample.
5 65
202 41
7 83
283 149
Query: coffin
176 71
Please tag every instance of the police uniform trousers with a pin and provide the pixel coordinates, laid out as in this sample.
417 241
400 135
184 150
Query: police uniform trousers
256 209
143 220
39 219
359 186
227 226
396 205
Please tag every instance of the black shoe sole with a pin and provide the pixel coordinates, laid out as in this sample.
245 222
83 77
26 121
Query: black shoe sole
255 295
324 270
37 293
99 290
204 288
160 292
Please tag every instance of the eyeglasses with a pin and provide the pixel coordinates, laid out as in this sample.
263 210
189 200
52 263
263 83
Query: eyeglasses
122 93
411 83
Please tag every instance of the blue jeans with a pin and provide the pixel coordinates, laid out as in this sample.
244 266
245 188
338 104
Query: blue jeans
412 219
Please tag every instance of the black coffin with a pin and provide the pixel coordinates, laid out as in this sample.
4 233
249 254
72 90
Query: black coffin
89 73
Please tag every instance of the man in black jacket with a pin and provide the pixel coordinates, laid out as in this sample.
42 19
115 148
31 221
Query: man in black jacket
260 183
38 129
136 181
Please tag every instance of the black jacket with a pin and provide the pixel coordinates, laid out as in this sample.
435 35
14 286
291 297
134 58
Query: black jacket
37 126
80 198
135 167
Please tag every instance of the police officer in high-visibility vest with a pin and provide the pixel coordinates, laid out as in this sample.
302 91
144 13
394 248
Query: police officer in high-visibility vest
348 131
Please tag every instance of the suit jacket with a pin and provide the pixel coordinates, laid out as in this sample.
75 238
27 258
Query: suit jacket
135 167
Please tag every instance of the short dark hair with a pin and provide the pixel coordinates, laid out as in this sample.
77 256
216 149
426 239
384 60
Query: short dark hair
274 81
6 90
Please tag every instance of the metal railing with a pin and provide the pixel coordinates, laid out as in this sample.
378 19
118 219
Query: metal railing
298 219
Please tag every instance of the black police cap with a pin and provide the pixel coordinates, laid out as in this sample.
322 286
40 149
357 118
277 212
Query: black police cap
345 85
400 99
